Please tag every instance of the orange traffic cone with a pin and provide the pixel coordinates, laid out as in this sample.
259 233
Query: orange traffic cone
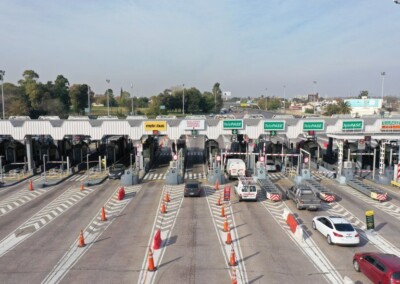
151 266
226 224
166 199
234 280
228 238
163 208
232 260
219 201
222 211
81 242
30 185
216 185
82 187
103 214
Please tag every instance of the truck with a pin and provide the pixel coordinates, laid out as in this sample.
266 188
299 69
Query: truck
304 197
235 168
246 189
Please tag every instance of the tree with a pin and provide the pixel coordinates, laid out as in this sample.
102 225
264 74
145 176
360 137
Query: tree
61 86
194 101
31 88
78 95
262 103
331 109
218 93
344 107
15 100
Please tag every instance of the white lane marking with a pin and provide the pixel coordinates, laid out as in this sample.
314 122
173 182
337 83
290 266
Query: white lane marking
28 228
241 274
20 198
176 194
92 232
308 246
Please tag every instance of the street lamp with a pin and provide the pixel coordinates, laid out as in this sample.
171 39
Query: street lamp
1 167
108 100
2 72
315 92
383 82
284 99
132 97
88 99
87 165
44 167
131 162
266 97
183 100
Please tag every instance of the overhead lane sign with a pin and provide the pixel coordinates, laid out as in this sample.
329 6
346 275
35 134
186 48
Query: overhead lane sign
155 125
191 124
352 125
233 124
313 125
274 125
390 125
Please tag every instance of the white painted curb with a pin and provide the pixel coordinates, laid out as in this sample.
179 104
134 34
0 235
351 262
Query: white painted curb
299 234
347 280
285 214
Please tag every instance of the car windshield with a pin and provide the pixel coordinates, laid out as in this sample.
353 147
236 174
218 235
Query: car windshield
344 227
119 167
396 275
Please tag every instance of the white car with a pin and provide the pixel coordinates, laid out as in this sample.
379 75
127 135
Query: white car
336 229
270 166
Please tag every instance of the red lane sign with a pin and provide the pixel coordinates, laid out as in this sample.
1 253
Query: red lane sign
218 158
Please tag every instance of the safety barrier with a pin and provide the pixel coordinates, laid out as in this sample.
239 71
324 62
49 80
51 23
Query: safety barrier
370 191
321 191
395 183
272 192
294 226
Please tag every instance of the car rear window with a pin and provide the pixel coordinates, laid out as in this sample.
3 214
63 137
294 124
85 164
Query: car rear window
344 227
306 192
192 185
253 188
396 275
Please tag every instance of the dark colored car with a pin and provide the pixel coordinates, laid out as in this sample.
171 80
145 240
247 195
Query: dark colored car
192 188
116 171
378 267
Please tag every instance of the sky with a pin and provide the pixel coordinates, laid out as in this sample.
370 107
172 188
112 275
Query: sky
251 47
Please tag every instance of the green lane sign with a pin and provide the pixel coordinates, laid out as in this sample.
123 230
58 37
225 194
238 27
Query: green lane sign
313 125
235 131
233 124
273 133
274 125
352 125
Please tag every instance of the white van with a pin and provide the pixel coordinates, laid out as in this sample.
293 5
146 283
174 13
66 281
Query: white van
235 168
246 189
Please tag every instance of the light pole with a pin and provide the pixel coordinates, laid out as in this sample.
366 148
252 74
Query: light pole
132 97
284 99
215 101
108 100
183 100
1 167
266 97
316 94
131 162
88 99
87 165
2 72
383 82
44 167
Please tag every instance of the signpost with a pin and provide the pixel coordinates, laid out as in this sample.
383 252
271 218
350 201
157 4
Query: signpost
155 125
369 215
313 125
390 125
352 125
233 124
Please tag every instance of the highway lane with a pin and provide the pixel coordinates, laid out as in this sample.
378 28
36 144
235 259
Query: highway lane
385 224
270 254
34 258
118 255
339 256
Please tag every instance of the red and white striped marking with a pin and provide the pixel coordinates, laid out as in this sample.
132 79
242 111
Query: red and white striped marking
381 196
273 196
328 197
398 171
